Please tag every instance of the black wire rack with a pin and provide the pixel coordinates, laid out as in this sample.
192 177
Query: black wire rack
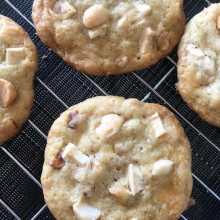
57 86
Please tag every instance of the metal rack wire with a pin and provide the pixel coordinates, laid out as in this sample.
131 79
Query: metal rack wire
57 87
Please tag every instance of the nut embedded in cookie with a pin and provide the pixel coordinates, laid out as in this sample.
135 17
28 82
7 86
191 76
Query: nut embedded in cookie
110 124
85 211
8 93
162 167
95 16
72 155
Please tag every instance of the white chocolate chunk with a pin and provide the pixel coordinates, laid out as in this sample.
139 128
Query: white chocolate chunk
110 124
72 154
144 9
84 211
195 51
67 10
14 56
8 93
134 179
95 16
162 167
147 40
157 125
218 23
96 32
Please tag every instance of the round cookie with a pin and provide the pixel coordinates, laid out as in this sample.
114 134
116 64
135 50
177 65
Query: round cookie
199 64
109 37
18 63
111 158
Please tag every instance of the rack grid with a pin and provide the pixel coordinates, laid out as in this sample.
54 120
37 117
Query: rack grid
58 86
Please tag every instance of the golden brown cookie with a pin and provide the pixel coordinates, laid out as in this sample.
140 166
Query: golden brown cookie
18 63
111 158
109 37
199 65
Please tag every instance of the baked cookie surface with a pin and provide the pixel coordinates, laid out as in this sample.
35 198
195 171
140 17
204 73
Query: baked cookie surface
109 37
18 63
111 158
199 65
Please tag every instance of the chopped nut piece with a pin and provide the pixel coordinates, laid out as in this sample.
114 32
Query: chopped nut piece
57 162
120 193
162 167
72 154
218 23
144 9
14 56
110 124
8 93
147 40
96 32
73 119
95 16
157 125
134 179
67 10
84 211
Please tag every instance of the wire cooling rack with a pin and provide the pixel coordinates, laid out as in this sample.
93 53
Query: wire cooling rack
57 86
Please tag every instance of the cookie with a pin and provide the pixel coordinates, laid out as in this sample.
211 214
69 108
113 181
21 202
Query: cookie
109 37
199 65
18 63
111 158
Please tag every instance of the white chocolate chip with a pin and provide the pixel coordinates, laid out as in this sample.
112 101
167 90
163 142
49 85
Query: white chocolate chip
162 167
72 154
157 125
122 61
8 93
84 211
67 10
147 40
14 56
110 124
95 16
218 23
96 32
80 174
144 9
195 51
134 179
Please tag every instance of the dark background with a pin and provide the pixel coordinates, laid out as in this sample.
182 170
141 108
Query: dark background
57 86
